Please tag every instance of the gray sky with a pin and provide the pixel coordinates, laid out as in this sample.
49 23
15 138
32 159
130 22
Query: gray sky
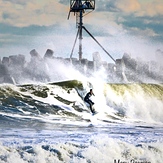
121 26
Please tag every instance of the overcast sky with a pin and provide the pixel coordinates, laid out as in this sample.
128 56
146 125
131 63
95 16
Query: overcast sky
121 26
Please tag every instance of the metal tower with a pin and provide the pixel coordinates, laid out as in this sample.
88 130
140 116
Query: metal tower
81 8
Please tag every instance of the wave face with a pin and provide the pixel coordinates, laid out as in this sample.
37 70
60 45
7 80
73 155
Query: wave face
52 123
46 102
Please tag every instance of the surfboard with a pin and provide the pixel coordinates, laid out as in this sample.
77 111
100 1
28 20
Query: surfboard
95 113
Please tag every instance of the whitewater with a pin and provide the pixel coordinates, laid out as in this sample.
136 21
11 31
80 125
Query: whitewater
50 122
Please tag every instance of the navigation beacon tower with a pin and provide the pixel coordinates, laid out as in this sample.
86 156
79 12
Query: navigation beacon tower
81 8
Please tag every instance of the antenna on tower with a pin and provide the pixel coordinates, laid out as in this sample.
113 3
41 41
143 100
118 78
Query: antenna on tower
80 7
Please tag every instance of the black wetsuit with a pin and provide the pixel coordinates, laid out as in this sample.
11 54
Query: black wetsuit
87 99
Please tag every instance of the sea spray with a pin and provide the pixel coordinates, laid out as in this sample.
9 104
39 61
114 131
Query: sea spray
136 101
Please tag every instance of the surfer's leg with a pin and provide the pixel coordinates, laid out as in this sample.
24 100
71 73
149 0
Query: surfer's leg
92 110
90 105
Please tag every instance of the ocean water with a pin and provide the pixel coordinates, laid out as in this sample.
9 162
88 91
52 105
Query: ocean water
50 123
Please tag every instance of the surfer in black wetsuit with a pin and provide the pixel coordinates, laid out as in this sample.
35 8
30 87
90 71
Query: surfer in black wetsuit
90 102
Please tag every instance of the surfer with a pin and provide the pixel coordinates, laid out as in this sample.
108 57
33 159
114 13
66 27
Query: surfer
89 101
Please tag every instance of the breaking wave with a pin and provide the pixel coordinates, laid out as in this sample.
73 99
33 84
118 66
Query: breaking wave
64 100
